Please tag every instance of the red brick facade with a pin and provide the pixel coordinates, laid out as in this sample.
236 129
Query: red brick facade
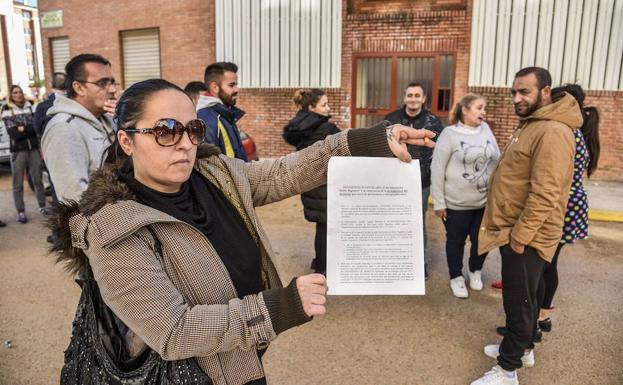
502 119
187 41
187 31
372 27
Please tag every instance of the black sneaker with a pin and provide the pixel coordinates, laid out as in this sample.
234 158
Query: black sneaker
546 325
2 224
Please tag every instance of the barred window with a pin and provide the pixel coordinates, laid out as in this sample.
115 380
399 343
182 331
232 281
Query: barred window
381 80
59 47
141 55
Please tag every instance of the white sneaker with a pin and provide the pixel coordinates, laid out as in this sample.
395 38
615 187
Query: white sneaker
475 280
458 287
497 376
527 360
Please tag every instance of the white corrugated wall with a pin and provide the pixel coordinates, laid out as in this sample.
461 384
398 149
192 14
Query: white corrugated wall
577 40
281 43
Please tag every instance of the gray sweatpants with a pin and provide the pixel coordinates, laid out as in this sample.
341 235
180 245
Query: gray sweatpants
21 161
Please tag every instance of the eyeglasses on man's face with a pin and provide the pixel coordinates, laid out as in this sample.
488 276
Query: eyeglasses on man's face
101 83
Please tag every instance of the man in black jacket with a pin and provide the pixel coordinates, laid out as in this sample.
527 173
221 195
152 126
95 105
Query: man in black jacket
41 117
414 114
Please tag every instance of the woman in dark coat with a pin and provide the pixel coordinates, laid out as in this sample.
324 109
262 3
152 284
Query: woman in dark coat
17 116
310 125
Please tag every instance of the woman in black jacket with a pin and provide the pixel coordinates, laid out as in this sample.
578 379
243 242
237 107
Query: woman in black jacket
310 125
17 116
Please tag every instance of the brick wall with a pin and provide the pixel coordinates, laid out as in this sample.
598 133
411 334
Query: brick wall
502 119
424 27
187 39
397 6
94 28
371 26
269 110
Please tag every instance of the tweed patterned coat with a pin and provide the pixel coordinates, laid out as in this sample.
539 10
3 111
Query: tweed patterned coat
183 303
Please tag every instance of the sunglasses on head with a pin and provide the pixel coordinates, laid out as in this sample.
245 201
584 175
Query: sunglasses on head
168 132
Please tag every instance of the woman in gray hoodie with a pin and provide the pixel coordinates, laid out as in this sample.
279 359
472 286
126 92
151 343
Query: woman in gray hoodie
463 160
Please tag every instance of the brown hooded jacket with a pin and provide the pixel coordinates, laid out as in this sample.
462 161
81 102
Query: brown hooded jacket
530 187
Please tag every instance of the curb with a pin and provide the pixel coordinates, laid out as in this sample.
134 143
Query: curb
605 216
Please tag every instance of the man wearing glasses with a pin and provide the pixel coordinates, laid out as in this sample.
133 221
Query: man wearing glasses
81 127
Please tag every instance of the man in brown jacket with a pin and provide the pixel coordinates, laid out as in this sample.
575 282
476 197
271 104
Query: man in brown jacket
525 211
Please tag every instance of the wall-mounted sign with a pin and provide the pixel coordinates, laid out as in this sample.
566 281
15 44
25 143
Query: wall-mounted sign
51 19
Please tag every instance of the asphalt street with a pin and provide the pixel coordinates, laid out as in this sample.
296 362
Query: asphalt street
433 339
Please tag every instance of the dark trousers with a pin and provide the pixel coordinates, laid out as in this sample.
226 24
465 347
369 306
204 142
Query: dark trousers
425 196
320 245
550 280
459 225
522 274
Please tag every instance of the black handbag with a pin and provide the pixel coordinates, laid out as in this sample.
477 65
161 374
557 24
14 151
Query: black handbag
97 353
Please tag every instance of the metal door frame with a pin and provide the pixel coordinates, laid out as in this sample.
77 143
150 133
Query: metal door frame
394 75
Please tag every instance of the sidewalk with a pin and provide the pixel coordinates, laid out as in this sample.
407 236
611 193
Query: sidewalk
605 200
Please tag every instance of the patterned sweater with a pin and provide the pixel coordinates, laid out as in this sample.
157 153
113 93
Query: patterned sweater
463 161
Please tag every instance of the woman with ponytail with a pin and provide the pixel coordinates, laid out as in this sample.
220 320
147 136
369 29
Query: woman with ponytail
576 218
310 125
463 160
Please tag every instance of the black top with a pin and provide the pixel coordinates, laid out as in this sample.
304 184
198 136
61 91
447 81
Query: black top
305 129
203 206
41 118
425 119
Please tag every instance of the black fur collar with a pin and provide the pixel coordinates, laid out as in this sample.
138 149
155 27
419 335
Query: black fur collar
104 188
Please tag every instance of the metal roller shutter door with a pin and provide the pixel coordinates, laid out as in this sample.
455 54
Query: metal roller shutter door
60 53
141 55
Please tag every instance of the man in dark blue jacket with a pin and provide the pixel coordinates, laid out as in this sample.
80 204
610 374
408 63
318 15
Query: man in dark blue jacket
41 117
414 114
218 111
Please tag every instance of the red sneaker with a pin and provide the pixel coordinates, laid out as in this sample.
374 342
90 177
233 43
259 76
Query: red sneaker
497 284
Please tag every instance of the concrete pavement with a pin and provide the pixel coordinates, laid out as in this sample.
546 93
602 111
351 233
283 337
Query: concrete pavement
605 200
434 339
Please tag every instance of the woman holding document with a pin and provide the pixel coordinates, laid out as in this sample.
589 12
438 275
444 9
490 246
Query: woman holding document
168 230
464 158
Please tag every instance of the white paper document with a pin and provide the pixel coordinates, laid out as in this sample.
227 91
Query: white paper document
374 229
